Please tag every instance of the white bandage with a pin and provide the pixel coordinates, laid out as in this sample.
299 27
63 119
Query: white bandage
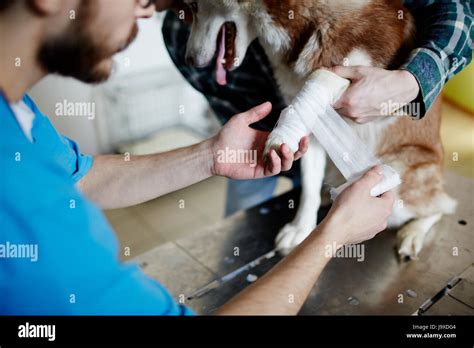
311 111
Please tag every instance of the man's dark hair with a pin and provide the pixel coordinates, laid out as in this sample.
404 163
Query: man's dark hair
4 4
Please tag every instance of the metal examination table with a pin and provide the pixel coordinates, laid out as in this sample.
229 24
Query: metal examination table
203 273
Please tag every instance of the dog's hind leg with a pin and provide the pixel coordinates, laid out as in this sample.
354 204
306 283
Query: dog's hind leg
424 195
313 168
411 236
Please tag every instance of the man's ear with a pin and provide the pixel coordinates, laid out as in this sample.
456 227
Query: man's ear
46 7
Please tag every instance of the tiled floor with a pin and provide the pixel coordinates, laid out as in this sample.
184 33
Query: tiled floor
144 227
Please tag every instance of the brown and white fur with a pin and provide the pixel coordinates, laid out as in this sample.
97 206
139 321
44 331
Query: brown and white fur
301 36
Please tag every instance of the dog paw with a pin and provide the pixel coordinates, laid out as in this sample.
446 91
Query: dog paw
273 142
410 243
291 236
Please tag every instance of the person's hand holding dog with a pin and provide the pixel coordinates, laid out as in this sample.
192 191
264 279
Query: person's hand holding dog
374 92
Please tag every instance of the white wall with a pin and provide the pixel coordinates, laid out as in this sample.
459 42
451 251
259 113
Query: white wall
54 89
148 52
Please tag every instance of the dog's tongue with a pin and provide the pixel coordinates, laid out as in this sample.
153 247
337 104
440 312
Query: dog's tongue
221 74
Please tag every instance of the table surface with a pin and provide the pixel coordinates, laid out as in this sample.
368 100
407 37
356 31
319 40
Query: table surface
440 282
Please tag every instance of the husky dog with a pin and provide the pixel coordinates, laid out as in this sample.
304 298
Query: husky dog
301 36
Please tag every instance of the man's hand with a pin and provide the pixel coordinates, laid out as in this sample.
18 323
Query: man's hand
355 215
375 92
238 149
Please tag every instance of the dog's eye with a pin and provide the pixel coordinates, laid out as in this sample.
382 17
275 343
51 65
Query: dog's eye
194 6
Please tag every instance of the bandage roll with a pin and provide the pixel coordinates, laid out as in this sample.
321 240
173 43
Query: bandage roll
390 181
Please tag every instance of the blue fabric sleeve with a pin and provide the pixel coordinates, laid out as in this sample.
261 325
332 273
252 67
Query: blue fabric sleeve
80 164
66 151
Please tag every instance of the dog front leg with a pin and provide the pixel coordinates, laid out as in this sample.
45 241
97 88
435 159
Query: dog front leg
299 119
313 167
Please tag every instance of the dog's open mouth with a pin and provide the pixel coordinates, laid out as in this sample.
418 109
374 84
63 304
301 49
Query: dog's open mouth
226 53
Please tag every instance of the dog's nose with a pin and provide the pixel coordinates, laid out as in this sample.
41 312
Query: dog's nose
190 61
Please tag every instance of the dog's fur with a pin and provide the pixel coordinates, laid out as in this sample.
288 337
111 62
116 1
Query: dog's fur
301 36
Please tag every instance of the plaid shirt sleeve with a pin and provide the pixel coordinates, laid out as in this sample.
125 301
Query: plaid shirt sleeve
444 44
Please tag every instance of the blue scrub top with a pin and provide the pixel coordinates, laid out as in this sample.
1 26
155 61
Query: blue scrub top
77 270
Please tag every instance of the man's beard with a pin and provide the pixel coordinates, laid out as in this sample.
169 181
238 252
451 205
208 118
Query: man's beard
76 54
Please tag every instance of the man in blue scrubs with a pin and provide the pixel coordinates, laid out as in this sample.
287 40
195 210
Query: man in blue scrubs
58 255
